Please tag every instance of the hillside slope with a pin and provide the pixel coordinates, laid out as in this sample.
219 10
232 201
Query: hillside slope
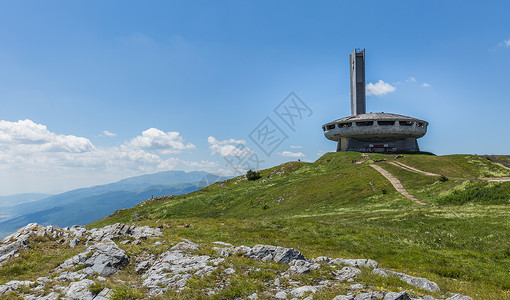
338 206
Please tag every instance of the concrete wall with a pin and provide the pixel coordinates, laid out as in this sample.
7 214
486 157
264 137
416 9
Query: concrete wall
405 145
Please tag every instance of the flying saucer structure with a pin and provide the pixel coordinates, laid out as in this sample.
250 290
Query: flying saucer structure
372 132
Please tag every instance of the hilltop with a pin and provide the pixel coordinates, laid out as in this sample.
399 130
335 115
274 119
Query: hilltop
340 206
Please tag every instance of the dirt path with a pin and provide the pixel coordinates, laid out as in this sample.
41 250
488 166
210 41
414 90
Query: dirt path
495 179
409 168
396 184
365 158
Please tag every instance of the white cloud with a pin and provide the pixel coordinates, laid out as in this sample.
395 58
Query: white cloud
320 153
25 135
155 139
291 154
229 147
425 85
379 88
296 147
108 133
505 43
411 79
32 151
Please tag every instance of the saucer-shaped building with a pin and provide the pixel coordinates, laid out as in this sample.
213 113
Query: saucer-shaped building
372 132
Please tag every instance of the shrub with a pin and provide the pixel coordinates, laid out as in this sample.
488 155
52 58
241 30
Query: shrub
253 175
480 193
443 178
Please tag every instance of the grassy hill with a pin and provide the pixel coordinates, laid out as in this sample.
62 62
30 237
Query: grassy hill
339 208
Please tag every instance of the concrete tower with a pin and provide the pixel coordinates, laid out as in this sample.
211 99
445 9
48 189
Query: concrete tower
358 100
372 132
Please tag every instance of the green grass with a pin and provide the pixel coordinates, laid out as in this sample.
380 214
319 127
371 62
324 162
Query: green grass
40 259
336 208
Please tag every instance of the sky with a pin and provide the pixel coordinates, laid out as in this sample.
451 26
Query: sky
95 91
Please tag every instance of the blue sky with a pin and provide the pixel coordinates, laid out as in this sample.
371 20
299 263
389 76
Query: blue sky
95 91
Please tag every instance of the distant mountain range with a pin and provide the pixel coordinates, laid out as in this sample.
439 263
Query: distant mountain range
85 205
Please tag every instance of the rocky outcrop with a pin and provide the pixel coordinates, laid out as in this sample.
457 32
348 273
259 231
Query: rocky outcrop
104 258
264 253
419 282
171 267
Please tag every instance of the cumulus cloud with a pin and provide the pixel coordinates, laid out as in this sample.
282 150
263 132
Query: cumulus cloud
229 147
27 146
379 88
291 154
108 133
155 139
296 147
411 79
425 85
27 136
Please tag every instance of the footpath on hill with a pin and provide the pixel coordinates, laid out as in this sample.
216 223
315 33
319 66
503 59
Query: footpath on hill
396 184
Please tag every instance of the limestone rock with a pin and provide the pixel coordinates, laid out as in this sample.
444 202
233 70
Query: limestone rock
459 297
186 245
422 283
278 254
302 266
369 296
105 294
358 263
356 286
344 297
13 285
79 290
223 244
347 274
397 296
50 296
281 295
301 291
104 258
74 242
172 269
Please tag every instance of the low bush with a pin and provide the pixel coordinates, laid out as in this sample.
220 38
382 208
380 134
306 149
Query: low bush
253 175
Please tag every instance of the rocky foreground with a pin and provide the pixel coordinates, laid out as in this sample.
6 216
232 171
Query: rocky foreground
173 271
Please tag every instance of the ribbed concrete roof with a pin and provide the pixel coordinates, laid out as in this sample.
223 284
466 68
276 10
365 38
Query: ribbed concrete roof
377 116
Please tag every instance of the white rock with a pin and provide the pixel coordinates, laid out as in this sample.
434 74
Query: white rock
79 290
347 273
186 245
397 296
459 297
223 244
422 283
356 286
301 291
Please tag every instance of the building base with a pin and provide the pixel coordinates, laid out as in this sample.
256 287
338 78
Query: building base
351 144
